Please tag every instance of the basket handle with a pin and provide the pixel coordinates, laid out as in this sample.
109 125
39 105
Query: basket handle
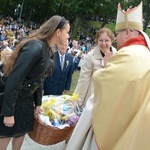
36 117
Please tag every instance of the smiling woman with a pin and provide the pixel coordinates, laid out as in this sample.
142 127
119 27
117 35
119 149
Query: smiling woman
97 58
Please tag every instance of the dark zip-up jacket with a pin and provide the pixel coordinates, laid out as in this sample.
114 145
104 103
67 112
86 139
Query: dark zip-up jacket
26 78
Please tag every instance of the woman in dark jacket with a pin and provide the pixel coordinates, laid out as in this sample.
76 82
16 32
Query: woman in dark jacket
26 69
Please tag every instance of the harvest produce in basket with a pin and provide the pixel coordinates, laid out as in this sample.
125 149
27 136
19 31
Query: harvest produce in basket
60 111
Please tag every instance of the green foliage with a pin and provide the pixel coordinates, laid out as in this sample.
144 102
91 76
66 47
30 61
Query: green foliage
78 12
148 31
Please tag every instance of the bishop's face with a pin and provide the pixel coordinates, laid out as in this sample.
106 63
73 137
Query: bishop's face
120 38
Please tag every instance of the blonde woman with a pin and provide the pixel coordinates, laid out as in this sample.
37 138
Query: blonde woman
5 54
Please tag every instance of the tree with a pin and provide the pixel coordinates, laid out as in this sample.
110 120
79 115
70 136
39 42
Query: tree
147 16
80 13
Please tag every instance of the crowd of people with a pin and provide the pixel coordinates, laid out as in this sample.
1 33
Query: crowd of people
113 84
13 31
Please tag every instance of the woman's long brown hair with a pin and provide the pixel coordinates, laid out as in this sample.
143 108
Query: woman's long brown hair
45 32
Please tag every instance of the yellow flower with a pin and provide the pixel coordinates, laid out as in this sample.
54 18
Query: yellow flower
48 104
75 96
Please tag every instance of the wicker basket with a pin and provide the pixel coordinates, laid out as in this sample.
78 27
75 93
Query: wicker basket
47 135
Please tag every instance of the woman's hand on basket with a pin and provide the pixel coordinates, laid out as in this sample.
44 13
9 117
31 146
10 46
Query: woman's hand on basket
9 121
37 110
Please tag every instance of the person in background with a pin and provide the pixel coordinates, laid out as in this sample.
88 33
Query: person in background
73 46
29 64
118 116
81 60
60 80
94 60
5 54
15 42
3 35
4 44
83 48
75 61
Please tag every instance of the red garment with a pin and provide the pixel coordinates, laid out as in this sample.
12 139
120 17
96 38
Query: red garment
136 41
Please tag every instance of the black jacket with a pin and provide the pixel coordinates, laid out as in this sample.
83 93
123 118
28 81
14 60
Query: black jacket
26 78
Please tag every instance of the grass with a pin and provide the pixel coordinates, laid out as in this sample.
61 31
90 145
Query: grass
97 24
75 77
